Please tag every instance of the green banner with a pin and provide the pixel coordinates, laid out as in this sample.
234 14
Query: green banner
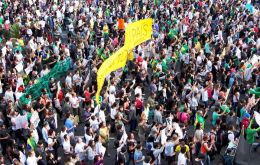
59 70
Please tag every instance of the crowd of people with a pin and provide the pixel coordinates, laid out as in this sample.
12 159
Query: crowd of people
181 100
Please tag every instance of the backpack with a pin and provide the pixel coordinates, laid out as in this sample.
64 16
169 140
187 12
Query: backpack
225 140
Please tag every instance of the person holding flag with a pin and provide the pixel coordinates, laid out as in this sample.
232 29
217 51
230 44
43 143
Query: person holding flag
200 118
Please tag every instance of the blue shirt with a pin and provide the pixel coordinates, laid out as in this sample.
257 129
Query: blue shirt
138 155
69 125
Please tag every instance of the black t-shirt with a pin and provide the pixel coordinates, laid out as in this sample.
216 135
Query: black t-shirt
53 85
128 147
3 134
39 32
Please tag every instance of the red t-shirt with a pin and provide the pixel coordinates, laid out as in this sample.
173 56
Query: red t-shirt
138 104
87 96
60 96
139 60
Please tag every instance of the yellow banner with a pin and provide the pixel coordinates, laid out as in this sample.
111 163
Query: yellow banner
114 62
130 56
135 34
138 32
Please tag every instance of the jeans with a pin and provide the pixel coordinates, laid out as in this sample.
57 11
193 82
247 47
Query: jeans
133 124
206 161
206 104
197 148
130 158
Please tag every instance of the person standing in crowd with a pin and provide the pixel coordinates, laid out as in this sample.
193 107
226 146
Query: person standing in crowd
138 155
200 66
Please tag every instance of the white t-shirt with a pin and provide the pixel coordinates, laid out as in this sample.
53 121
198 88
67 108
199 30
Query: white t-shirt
79 149
77 79
22 157
215 95
178 129
31 160
112 89
62 135
88 138
169 148
94 124
50 141
209 66
199 60
68 81
182 160
66 146
113 113
144 65
9 95
231 136
112 99
102 116
90 153
204 95
138 90
74 102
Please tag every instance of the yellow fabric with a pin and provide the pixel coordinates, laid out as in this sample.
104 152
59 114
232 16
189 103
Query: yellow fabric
105 29
114 62
178 148
20 41
198 46
103 132
130 56
138 32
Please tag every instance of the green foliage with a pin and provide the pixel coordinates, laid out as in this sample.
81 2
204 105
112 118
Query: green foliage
15 31
6 34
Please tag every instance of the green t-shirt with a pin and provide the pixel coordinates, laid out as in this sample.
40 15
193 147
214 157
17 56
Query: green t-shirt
164 66
172 33
199 119
107 13
170 59
94 98
215 116
250 134
184 49
181 108
225 108
242 113
207 48
1 20
154 63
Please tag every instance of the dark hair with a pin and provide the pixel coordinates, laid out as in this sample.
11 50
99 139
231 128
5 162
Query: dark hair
183 150
138 146
50 132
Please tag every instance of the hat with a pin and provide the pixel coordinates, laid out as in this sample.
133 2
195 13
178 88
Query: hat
20 88
247 115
